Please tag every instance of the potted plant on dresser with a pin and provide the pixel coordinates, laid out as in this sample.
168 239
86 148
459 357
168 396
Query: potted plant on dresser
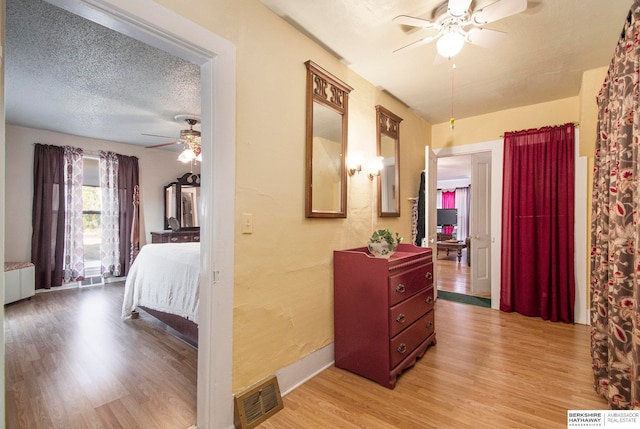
383 243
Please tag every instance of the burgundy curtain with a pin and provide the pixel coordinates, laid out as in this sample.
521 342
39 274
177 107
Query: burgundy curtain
128 182
448 202
537 232
47 221
615 227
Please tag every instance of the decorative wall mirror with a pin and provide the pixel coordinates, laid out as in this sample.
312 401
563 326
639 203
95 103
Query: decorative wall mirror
326 144
181 202
388 132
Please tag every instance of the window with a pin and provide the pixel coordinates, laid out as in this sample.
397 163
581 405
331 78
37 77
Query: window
91 219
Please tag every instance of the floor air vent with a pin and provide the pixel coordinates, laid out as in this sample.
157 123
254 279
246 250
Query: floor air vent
257 404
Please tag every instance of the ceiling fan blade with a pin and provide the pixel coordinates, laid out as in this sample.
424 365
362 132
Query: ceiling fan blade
155 135
162 144
413 21
458 8
485 37
418 43
498 10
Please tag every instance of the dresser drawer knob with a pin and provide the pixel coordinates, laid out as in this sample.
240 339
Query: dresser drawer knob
174 239
429 300
429 324
400 318
402 348
400 288
429 275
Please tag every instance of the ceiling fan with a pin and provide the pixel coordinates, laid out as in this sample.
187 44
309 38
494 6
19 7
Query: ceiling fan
190 138
457 24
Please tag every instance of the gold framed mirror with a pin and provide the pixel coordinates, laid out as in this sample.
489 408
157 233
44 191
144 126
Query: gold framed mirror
388 147
326 144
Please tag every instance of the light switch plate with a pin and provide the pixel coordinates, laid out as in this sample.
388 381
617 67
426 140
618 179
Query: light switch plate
247 223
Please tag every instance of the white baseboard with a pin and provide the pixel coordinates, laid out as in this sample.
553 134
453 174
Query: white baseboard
306 368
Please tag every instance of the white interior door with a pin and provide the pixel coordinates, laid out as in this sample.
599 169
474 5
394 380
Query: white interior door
480 223
430 213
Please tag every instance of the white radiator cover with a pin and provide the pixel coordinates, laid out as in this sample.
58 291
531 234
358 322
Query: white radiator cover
19 283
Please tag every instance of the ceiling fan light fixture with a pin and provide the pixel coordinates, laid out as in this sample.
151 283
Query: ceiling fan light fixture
187 155
450 44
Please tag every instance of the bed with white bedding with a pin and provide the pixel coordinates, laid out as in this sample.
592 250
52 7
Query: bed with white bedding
163 280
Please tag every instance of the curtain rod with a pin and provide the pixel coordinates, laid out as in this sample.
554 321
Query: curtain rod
84 151
575 124
91 153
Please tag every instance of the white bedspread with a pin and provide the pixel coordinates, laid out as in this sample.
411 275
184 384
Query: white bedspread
164 277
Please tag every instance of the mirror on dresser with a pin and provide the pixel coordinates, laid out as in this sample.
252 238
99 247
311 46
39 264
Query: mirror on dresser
181 202
326 144
388 148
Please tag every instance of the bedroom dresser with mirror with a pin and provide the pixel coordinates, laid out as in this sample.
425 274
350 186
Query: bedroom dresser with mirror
383 311
181 223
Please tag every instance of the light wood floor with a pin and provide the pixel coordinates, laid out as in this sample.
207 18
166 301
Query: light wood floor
454 276
489 369
71 362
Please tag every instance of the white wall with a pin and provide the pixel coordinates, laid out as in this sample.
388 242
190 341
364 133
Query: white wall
157 168
454 183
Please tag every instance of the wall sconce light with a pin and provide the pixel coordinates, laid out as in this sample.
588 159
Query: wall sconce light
375 167
354 163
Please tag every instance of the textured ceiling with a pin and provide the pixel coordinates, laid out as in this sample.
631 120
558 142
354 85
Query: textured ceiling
542 57
66 74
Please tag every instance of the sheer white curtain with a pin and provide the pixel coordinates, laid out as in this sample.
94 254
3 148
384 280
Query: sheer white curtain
462 204
73 254
110 215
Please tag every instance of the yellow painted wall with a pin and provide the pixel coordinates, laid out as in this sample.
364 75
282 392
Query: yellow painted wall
283 291
492 126
283 287
582 109
591 83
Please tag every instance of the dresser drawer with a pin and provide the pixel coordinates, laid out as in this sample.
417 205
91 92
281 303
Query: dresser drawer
409 310
175 236
180 238
404 343
407 283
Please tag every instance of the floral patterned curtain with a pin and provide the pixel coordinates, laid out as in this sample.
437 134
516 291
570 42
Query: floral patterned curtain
110 216
73 234
615 229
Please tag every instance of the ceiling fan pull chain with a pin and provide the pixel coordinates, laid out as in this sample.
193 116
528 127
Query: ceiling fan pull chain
452 120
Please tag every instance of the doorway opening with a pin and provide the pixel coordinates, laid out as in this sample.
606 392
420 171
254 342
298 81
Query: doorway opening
452 225
463 218
162 28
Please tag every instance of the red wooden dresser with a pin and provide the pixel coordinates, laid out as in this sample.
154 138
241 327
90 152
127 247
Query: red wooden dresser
383 311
